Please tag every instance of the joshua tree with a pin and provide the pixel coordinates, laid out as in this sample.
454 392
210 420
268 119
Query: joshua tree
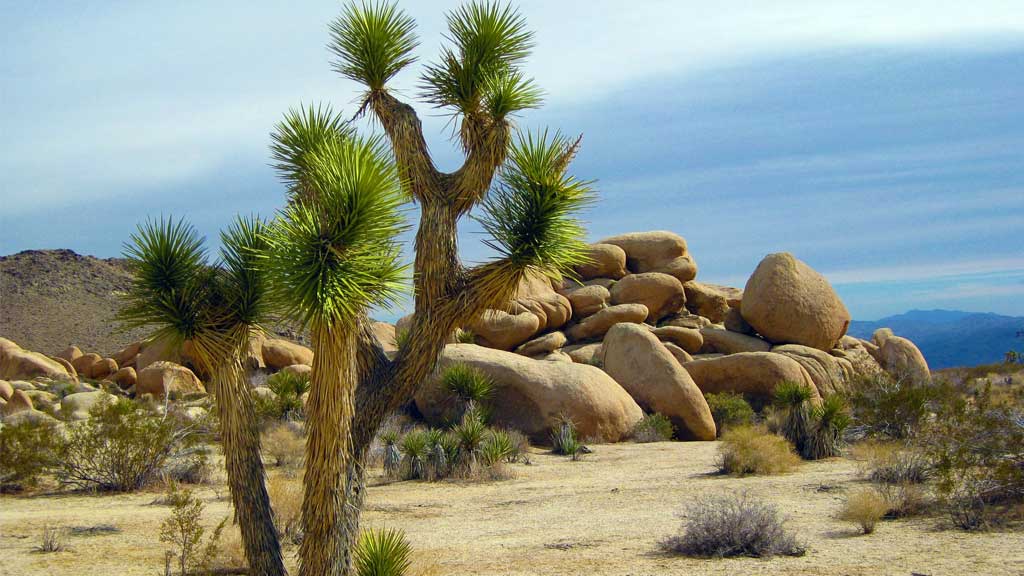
332 254
529 214
215 309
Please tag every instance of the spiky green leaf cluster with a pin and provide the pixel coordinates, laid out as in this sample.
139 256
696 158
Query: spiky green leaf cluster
332 252
479 72
467 383
372 41
181 296
302 132
383 553
531 216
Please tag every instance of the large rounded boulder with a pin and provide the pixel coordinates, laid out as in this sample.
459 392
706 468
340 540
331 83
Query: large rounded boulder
16 364
788 302
530 395
831 374
899 356
279 353
598 324
658 251
638 361
504 331
752 373
604 261
162 378
661 293
587 300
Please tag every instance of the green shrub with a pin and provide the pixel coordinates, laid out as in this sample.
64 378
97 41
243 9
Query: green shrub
733 525
470 435
464 336
27 452
382 553
122 448
184 531
498 447
729 409
977 452
288 388
894 408
753 450
829 421
653 428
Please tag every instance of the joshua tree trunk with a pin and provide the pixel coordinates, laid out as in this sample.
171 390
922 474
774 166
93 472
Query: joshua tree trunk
329 413
244 464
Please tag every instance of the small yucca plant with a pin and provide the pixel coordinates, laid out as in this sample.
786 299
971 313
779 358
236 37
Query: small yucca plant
392 456
438 464
793 399
564 440
498 447
414 454
470 435
383 552
464 336
289 388
470 387
828 424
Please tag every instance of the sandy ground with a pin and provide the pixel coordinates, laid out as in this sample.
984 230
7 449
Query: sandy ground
601 516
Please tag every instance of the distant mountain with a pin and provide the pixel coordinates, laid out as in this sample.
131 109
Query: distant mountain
51 299
949 338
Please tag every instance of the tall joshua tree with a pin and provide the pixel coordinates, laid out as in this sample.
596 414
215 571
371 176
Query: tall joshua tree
529 215
179 295
332 254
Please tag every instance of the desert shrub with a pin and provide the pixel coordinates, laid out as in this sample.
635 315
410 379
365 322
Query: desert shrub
653 428
498 447
521 443
469 435
464 336
284 446
288 388
52 540
193 469
977 451
286 500
792 399
184 531
888 407
904 500
864 507
564 439
753 450
828 422
894 464
230 556
470 388
122 448
729 409
382 553
27 452
733 525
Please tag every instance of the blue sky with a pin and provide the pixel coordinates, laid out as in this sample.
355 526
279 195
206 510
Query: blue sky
881 142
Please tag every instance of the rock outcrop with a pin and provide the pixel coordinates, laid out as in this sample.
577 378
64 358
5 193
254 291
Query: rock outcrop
162 378
278 353
598 324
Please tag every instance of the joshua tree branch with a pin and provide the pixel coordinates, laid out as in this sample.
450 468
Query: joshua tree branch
404 129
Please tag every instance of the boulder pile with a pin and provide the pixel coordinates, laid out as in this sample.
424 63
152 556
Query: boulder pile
632 331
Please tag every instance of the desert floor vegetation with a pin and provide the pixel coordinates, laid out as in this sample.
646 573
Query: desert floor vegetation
554 516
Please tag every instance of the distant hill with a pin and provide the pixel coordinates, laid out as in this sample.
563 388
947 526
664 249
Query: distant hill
51 299
949 338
